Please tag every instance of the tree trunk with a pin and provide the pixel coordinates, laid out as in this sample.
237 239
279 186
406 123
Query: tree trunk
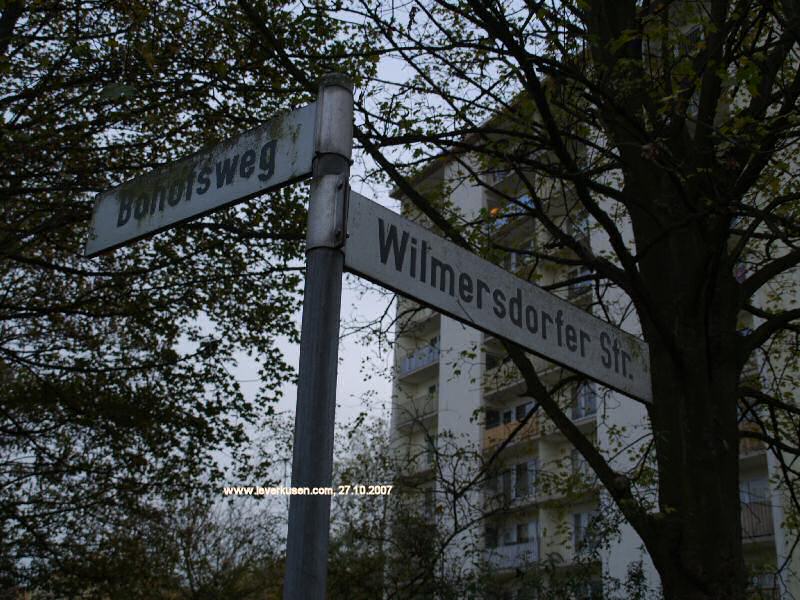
700 555
695 372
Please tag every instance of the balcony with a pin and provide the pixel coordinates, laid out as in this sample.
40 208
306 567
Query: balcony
748 446
513 556
416 412
413 318
499 378
420 364
497 435
417 465
756 521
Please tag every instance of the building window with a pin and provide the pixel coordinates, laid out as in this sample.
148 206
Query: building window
492 419
508 416
429 506
754 490
585 401
514 260
509 536
491 482
578 227
430 450
522 410
583 538
583 283
525 478
522 533
507 483
580 466
522 482
756 508
491 537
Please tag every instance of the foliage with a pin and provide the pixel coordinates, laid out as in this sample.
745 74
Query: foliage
667 132
116 390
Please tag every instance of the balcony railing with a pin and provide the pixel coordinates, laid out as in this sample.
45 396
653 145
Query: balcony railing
756 520
419 359
416 410
513 556
497 435
748 445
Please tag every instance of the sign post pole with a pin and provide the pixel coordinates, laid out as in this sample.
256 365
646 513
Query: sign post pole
312 463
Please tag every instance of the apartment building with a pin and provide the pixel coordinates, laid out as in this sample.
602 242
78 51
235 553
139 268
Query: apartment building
454 389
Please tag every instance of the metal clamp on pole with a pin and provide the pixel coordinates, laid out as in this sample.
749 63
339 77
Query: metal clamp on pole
326 219
312 462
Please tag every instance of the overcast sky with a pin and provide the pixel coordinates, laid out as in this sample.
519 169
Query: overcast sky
363 375
364 382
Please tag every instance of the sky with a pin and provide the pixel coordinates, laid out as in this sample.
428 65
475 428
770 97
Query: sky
363 382
364 371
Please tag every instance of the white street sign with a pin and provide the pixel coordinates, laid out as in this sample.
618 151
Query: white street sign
398 254
272 155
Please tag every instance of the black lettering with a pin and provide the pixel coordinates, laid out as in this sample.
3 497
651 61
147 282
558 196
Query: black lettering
531 320
160 197
481 286
571 338
465 287
423 263
585 339
515 309
605 341
247 164
142 204
175 193
499 303
226 171
625 358
412 267
444 269
559 323
616 355
266 161
125 209
545 319
189 182
389 242
204 180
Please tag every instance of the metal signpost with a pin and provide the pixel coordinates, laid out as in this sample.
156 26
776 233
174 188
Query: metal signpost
399 254
312 462
381 246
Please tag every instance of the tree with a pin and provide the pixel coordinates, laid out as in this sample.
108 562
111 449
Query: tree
115 386
194 548
678 118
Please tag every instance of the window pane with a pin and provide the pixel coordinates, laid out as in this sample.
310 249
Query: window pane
522 533
522 482
491 537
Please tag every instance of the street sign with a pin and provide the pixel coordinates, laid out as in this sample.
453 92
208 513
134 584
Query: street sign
398 254
262 159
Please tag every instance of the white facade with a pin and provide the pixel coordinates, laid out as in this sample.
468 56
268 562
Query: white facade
453 389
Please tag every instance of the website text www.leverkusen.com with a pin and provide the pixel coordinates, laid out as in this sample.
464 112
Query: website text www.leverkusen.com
341 490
